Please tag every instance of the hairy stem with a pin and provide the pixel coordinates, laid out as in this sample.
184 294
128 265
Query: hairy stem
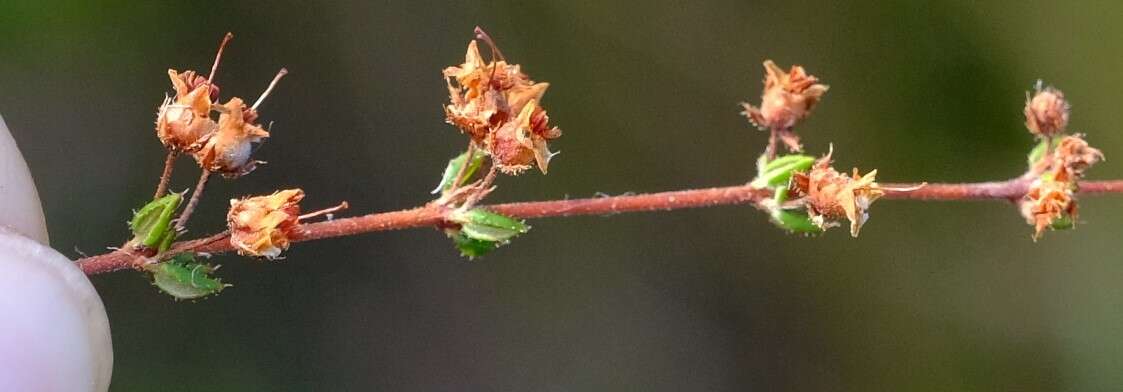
433 214
166 177
196 195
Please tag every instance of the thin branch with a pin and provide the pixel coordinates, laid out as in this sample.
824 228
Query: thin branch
483 188
166 177
433 214
181 222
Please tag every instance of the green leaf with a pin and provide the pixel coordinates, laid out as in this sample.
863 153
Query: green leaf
166 242
472 248
151 225
453 169
183 277
1038 151
795 221
1065 222
780 195
778 171
484 225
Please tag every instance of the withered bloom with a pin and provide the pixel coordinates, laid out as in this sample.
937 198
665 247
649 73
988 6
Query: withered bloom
1046 111
228 151
517 144
787 99
831 196
473 106
497 105
260 226
1046 202
185 119
1073 155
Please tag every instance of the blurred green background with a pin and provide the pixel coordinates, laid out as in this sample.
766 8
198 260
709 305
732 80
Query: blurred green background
933 296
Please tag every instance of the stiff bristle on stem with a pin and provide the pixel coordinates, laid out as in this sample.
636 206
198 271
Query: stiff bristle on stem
495 53
313 214
218 56
280 74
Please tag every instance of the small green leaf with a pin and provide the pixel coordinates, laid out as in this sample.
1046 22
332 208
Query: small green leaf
1065 222
481 224
1038 151
472 248
453 169
166 242
151 225
183 277
780 195
795 221
778 171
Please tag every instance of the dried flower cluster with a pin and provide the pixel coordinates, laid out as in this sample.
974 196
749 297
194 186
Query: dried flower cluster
801 181
831 196
185 123
498 106
1050 201
788 98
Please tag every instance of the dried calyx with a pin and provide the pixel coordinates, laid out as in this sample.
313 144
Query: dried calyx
1046 111
185 119
831 196
497 106
261 226
788 98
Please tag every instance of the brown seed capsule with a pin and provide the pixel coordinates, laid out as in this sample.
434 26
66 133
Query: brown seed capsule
1046 111
260 226
787 99
831 196
228 151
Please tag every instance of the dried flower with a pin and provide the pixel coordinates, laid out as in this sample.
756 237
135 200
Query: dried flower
1046 202
521 142
830 195
181 122
473 105
787 99
497 105
228 150
1072 156
260 226
1046 112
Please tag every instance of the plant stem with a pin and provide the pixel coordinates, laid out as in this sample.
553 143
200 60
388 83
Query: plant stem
484 188
166 177
432 215
181 222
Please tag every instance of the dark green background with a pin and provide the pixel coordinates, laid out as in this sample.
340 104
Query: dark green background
933 296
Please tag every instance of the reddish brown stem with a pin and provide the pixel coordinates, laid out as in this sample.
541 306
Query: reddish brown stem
432 215
166 177
181 222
